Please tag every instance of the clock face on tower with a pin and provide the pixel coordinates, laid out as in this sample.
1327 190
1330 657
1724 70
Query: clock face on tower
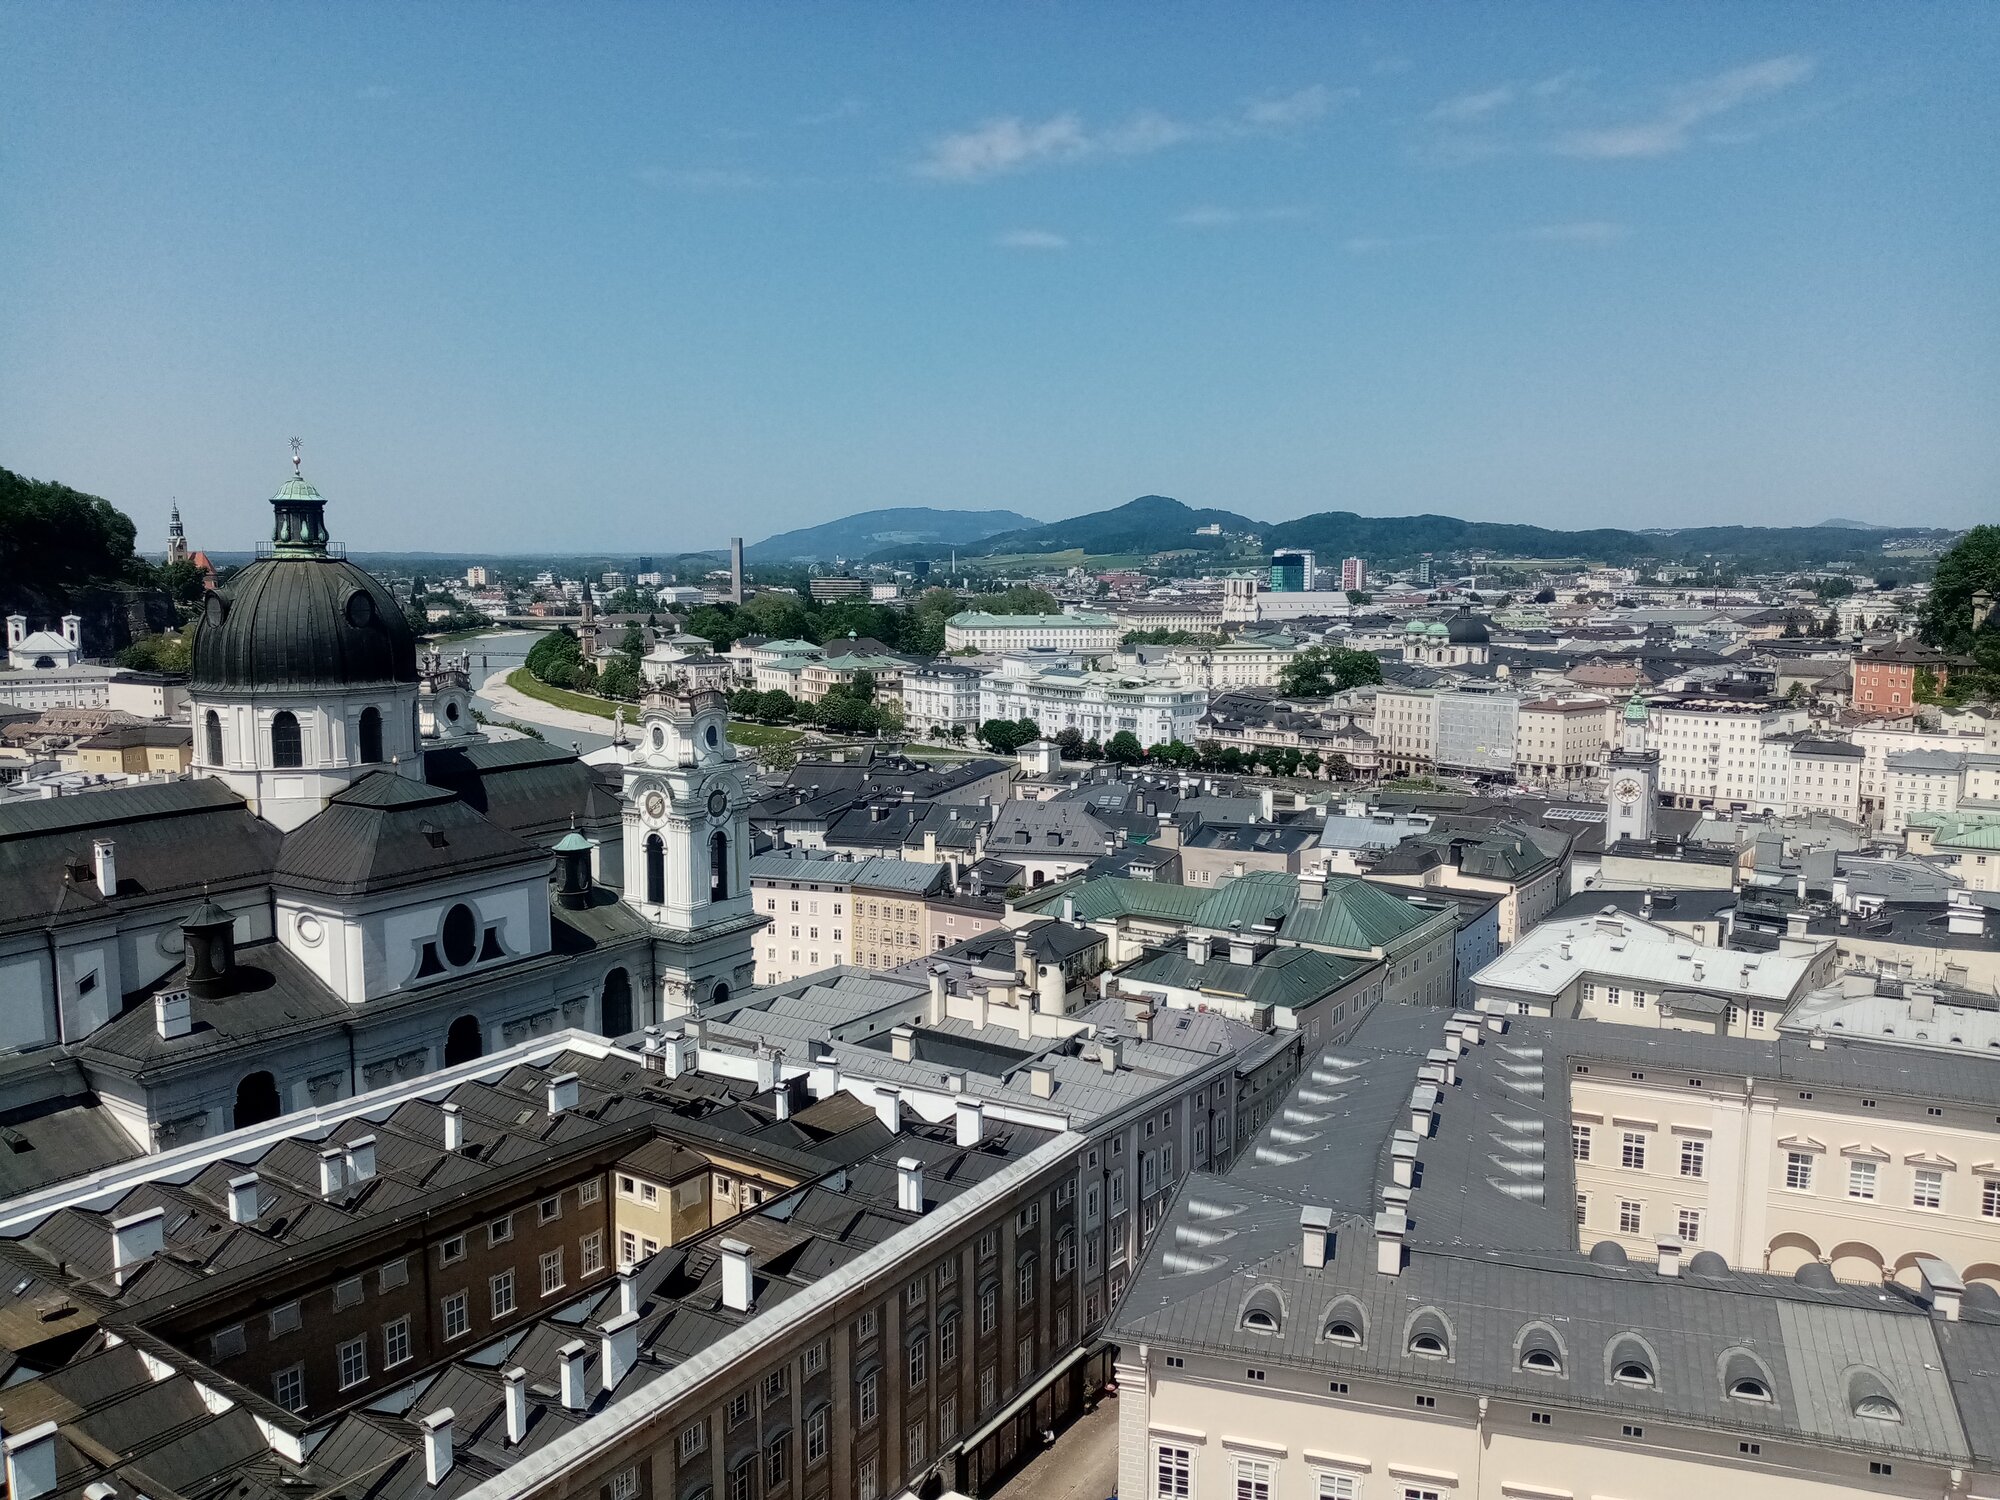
718 803
1627 791
655 806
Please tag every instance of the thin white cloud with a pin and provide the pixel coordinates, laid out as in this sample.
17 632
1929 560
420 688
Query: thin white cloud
1289 110
1004 145
1376 244
1216 216
1466 108
1032 239
1558 83
700 179
1012 143
1581 232
845 109
1676 124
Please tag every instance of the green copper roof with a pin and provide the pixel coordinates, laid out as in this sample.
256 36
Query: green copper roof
1287 978
1354 915
573 842
1635 710
1111 896
296 488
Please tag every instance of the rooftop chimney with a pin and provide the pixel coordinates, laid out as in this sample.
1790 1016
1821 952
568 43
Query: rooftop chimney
1314 1226
910 1185
454 1128
903 1044
1403 1158
361 1159
135 1237
243 1199
1423 1100
1197 948
437 1445
329 1171
970 1117
1669 1247
173 1014
826 1075
1069 909
889 1107
1110 1051
1041 1080
1142 1024
934 1009
571 1358
628 1291
1390 1225
104 859
736 1293
562 1093
1943 1286
514 1382
31 1462
618 1349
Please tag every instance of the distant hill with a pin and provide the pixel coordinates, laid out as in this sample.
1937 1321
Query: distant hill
1847 525
1152 523
1155 523
873 531
1394 539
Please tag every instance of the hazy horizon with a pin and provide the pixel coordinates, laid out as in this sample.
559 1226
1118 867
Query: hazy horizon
635 280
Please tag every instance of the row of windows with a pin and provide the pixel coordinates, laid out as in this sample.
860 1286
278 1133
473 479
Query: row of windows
1633 1146
1865 1184
1632 1218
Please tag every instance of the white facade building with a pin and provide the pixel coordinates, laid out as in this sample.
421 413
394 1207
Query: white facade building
1711 750
940 697
977 631
1157 705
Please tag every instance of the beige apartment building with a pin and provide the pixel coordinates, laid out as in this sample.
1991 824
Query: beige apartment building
1711 749
1405 730
1561 740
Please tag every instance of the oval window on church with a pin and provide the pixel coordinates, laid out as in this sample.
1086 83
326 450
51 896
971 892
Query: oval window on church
460 936
360 609
711 737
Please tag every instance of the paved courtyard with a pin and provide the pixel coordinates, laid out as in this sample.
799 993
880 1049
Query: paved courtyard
1083 1464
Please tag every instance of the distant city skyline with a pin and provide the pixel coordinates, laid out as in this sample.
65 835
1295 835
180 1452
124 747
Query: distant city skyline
637 280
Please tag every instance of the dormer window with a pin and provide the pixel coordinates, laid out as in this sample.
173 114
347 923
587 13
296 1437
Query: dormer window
1632 1372
1428 1344
1749 1389
1543 1360
1340 1331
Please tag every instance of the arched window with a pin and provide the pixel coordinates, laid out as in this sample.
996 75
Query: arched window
371 734
656 870
616 1012
721 993
287 745
718 867
464 1042
211 730
257 1100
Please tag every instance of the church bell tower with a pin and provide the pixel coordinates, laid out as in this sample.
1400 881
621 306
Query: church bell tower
687 850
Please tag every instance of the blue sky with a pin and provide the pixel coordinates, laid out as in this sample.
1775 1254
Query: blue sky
642 276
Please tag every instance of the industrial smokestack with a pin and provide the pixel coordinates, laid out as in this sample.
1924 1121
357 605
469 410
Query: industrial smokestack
736 570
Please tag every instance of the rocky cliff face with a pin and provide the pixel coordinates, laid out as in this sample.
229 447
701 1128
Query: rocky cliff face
114 615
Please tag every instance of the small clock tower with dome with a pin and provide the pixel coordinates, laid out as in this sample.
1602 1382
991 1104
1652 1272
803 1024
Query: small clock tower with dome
1634 775
687 850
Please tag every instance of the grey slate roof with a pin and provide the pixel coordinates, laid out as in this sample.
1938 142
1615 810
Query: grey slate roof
172 838
1488 1265
387 831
